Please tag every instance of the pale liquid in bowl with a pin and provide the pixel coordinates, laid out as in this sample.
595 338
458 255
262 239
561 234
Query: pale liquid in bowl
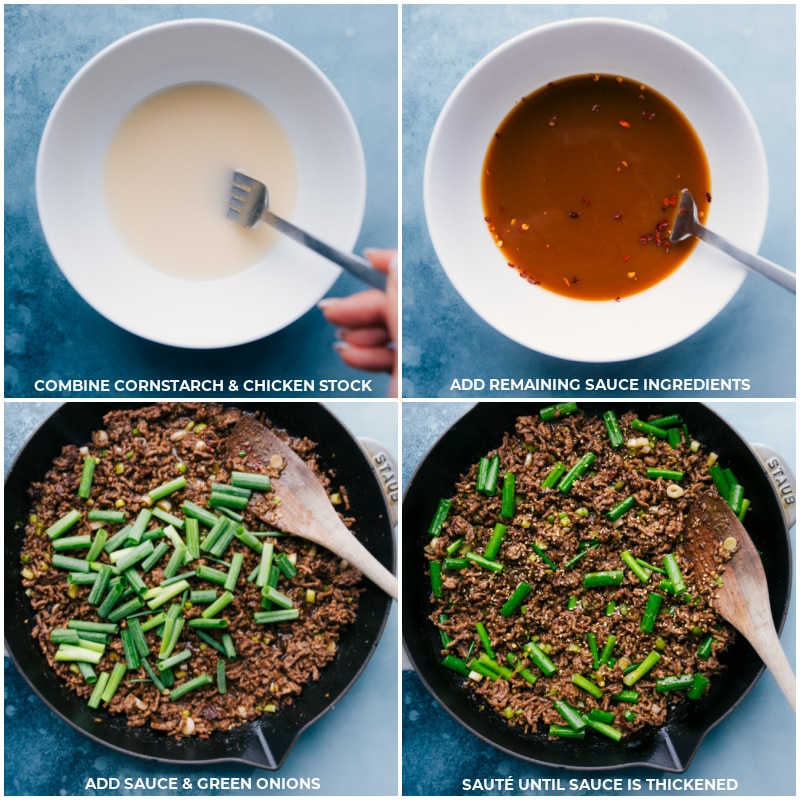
168 176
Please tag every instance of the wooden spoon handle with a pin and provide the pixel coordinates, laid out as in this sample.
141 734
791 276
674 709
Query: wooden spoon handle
342 542
768 646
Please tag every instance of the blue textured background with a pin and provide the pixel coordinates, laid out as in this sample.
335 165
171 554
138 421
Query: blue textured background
50 331
353 749
754 337
755 745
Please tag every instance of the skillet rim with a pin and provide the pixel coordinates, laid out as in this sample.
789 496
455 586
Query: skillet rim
252 744
495 733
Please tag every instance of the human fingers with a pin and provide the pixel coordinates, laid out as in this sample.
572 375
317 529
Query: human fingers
361 310
372 359
364 337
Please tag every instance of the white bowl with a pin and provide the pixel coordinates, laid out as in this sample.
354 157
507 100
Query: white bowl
578 330
331 183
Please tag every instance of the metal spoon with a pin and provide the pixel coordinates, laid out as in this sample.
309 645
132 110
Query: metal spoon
743 597
688 224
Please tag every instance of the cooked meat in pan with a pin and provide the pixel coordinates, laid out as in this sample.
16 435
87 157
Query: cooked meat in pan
558 580
155 590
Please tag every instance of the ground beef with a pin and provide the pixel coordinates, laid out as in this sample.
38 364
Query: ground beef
136 451
555 538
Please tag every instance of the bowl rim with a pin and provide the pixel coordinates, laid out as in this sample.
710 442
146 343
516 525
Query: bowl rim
483 300
323 274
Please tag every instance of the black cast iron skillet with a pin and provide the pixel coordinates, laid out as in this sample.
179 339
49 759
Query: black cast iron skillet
669 748
266 742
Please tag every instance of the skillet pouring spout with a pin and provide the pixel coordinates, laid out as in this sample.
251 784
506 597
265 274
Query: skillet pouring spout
743 596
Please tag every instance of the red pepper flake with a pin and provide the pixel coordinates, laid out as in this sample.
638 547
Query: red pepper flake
626 258
708 196
552 121
649 115
672 200
586 201
596 107
624 123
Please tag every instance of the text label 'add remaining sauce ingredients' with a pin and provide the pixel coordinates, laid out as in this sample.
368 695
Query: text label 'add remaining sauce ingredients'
581 181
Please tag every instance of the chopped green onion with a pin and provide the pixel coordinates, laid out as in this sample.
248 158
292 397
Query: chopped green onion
587 686
651 612
666 474
167 488
649 429
87 475
553 477
630 678
674 683
454 663
613 429
575 472
62 525
483 634
573 718
639 570
97 692
173 660
625 505
565 732
516 599
674 573
250 480
704 651
279 615
540 658
112 516
700 684
509 501
190 686
541 553
437 587
114 680
225 599
495 540
549 413
439 518
484 563
492 473
606 730
73 652
607 577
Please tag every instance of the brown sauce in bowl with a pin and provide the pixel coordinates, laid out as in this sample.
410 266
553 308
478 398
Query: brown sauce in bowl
581 181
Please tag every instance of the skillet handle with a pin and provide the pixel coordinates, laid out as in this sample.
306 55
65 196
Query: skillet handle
783 480
384 465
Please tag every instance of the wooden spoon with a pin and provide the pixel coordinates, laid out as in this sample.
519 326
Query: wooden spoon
743 597
305 509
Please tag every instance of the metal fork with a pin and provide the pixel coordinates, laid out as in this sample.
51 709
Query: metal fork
687 223
249 204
